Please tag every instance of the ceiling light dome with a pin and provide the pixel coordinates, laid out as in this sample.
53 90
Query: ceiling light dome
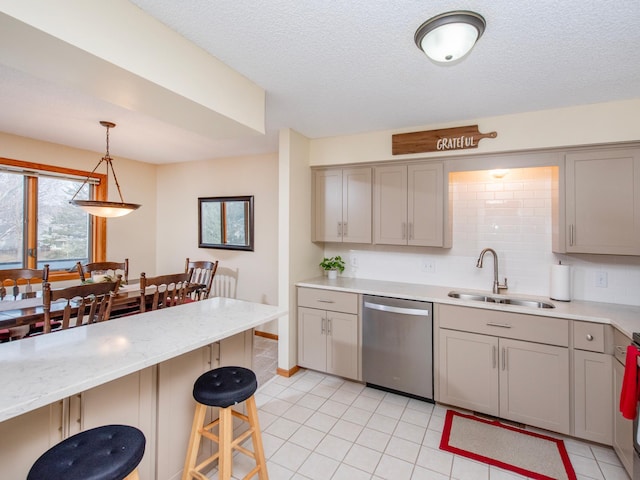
449 36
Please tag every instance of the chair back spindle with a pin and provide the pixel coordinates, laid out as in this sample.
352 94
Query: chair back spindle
112 268
17 284
83 304
20 281
163 291
225 283
203 273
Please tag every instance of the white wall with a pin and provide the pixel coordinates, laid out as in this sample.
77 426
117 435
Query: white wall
583 125
131 237
297 254
180 185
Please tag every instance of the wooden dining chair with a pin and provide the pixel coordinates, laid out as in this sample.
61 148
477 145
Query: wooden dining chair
112 268
17 284
83 304
20 281
164 290
203 273
225 283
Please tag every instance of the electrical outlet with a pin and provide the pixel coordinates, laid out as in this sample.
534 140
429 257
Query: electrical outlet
601 279
353 260
428 265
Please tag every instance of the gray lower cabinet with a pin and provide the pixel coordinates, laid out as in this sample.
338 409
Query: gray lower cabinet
593 405
517 378
622 428
521 381
593 382
329 332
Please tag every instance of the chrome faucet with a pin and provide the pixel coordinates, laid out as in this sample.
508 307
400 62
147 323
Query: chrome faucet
497 287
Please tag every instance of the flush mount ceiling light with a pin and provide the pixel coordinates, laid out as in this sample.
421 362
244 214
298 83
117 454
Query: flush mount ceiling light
449 36
100 208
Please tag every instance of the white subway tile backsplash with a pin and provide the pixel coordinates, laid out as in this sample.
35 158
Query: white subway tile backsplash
512 215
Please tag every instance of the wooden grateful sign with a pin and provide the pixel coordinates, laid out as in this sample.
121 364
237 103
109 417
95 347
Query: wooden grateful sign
457 138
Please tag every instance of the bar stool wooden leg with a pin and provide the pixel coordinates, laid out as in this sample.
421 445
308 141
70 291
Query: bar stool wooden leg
226 439
256 438
133 475
223 388
194 440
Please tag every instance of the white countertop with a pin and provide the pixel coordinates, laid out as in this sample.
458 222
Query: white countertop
625 318
40 370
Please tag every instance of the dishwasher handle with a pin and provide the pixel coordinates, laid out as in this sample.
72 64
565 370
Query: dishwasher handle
404 311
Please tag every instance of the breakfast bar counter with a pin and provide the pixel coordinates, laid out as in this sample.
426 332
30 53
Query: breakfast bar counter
40 370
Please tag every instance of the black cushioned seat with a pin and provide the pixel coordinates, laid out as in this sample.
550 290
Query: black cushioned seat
110 452
225 386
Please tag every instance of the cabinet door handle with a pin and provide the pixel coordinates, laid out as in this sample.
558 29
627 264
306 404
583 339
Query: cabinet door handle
81 412
61 429
589 337
323 326
571 234
345 230
326 301
501 325
339 229
328 327
410 230
404 230
504 358
495 356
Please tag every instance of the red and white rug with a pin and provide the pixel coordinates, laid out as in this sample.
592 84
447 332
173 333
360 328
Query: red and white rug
526 453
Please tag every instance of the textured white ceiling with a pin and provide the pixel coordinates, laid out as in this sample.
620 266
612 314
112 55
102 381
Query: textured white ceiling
340 67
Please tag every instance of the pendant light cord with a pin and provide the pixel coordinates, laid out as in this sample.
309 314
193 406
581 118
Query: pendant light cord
107 158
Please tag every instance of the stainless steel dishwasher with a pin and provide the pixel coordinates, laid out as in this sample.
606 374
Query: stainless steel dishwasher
397 347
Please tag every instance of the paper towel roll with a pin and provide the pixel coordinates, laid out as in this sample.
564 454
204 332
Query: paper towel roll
560 285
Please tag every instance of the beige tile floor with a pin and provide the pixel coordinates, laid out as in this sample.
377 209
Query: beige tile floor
319 427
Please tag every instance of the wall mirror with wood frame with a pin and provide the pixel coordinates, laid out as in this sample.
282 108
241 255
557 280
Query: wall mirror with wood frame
225 222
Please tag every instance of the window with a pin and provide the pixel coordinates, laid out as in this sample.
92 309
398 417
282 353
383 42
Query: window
225 222
38 226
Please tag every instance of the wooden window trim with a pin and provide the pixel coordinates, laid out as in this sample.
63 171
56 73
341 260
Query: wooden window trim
98 225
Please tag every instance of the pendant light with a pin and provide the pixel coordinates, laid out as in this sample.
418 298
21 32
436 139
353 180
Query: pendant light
100 208
450 36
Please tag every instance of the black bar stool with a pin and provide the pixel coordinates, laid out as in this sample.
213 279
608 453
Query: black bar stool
224 387
110 452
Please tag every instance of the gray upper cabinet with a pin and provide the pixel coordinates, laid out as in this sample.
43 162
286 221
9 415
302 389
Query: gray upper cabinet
602 202
409 204
342 205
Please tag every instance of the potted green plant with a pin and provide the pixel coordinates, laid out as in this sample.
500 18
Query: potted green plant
332 265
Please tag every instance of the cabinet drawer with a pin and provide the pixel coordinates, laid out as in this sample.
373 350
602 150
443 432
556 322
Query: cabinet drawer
588 336
531 328
328 300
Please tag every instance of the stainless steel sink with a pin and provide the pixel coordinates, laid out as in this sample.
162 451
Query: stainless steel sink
471 296
520 302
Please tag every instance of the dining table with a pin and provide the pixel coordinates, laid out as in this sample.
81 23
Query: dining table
26 308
